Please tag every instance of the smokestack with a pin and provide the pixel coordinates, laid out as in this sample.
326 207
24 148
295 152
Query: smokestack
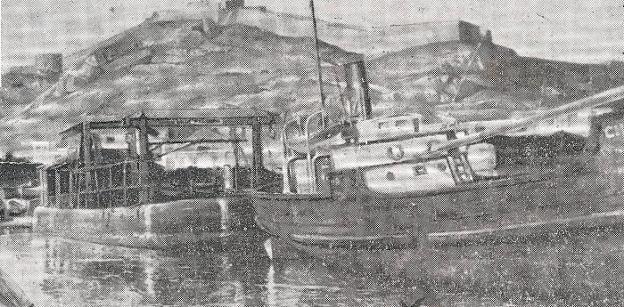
357 92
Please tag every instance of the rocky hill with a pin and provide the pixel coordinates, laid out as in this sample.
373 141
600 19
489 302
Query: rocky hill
176 64
190 63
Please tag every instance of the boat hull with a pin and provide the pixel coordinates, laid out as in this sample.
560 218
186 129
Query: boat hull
157 225
574 269
435 235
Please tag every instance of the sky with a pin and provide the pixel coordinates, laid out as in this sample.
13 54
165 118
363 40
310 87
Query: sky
573 30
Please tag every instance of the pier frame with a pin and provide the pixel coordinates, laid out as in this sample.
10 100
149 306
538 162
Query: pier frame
91 180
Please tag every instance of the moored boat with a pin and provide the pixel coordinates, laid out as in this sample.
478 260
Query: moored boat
388 194
115 189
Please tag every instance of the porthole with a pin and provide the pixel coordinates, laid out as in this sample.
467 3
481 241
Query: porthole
390 176
401 123
419 169
395 152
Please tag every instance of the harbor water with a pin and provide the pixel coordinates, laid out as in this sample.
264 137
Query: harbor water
59 272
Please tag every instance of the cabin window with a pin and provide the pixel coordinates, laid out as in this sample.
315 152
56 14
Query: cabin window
401 123
384 125
402 178
201 148
110 139
419 169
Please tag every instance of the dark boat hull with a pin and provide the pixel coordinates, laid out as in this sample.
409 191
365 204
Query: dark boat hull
158 225
570 270
428 235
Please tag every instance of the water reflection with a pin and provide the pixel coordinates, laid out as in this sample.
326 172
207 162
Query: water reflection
578 270
55 271
58 272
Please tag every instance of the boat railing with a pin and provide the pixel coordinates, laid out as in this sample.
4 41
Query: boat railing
292 156
99 186
288 174
289 157
311 169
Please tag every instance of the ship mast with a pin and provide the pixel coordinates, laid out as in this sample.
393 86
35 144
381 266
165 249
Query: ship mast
318 55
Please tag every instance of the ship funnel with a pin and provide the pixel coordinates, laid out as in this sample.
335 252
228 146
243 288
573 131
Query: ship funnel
356 97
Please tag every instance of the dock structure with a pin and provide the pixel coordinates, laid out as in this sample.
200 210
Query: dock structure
143 126
116 189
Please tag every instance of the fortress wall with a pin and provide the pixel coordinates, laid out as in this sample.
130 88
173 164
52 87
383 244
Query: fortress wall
371 41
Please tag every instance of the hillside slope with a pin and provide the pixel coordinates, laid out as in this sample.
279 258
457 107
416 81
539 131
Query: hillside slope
181 64
187 63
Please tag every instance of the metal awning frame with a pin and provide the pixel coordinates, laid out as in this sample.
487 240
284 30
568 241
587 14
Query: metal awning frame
180 118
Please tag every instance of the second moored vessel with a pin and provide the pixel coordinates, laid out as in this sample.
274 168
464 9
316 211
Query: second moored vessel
116 189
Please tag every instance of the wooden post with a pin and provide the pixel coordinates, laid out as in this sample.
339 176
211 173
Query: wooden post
132 144
96 143
145 188
79 190
96 192
110 187
256 148
86 156
130 167
43 182
125 184
4 206
235 151
57 187
72 203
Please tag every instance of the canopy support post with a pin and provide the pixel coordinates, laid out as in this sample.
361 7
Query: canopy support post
256 148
